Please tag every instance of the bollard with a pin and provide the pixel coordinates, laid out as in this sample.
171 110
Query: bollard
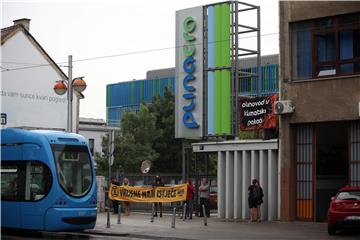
108 217
204 213
184 212
173 218
152 213
119 214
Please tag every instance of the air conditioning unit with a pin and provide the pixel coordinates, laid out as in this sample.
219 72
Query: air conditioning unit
284 107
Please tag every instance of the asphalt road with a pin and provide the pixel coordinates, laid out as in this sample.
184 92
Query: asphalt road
138 227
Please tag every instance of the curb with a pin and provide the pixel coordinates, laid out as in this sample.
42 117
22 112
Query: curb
108 233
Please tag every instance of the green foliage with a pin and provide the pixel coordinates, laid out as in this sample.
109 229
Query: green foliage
146 135
165 144
134 143
101 159
246 134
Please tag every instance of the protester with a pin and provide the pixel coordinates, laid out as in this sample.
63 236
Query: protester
260 200
158 183
189 199
204 197
255 199
126 203
115 203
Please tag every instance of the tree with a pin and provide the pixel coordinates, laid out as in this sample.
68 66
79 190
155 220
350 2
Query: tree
168 147
133 143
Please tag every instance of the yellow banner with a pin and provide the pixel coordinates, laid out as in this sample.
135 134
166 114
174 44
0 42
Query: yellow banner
148 194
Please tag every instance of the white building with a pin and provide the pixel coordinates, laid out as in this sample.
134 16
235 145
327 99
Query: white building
28 75
93 130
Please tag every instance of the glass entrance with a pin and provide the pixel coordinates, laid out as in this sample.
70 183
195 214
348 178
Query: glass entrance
332 164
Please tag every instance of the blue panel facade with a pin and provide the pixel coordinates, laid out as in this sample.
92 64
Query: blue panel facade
127 96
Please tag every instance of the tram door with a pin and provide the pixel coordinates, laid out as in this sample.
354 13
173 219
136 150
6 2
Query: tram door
10 193
33 207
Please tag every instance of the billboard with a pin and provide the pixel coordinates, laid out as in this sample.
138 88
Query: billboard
189 73
257 112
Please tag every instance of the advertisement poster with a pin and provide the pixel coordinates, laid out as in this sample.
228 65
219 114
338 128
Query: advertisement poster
257 112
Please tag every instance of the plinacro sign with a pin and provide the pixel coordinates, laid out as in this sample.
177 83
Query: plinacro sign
189 73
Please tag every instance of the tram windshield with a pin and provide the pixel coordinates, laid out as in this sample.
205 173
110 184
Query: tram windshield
73 166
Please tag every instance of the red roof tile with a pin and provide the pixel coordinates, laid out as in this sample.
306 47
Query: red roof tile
5 32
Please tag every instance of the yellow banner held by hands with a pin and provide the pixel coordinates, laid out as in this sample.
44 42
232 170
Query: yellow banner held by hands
148 194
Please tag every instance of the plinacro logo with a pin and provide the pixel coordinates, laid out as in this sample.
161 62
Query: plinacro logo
189 66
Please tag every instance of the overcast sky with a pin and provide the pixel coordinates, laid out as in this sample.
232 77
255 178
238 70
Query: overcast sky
96 28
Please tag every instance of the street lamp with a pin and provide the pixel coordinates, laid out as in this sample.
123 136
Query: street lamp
60 88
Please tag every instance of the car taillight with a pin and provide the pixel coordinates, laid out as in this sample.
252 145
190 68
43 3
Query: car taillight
338 205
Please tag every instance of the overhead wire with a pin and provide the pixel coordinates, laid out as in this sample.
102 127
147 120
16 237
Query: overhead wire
34 65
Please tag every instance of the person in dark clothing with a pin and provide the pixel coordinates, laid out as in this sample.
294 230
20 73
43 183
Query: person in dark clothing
114 202
255 199
260 200
158 183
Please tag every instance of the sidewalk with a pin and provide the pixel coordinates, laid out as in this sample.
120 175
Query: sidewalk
138 225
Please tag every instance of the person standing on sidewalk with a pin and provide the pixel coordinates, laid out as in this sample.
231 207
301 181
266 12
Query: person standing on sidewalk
260 200
158 183
254 200
126 203
204 190
189 199
115 203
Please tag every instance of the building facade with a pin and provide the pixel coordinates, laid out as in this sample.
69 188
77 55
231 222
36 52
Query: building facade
320 75
127 96
240 161
93 130
28 75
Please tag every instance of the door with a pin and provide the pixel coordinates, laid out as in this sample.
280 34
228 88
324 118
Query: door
38 181
354 170
304 177
332 164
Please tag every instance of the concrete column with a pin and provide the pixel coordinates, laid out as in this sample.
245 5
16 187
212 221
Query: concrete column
263 178
246 176
254 164
272 186
229 214
238 185
221 184
278 184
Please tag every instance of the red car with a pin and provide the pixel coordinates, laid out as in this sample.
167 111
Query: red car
344 210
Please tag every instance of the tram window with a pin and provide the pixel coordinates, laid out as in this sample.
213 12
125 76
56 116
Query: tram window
17 185
73 165
9 182
40 181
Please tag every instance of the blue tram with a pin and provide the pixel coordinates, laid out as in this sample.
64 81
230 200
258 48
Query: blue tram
47 181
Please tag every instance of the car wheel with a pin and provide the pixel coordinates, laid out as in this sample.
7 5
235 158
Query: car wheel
331 229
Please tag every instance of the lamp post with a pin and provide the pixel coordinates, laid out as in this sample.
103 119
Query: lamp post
78 84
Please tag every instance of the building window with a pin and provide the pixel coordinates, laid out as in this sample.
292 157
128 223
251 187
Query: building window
91 145
326 47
